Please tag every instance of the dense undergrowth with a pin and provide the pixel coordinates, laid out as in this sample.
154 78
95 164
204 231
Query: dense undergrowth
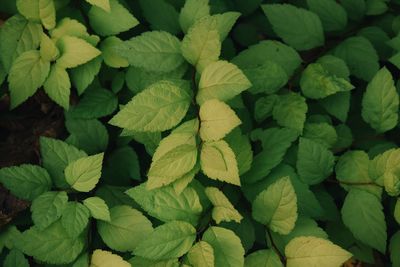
220 133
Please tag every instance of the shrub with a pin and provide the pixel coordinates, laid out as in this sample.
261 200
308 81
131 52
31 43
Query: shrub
230 133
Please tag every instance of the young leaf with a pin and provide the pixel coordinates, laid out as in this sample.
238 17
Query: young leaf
102 258
56 155
47 13
312 251
98 208
29 9
103 22
193 11
26 181
298 27
75 51
290 111
201 45
75 218
201 255
58 86
56 246
276 207
103 4
48 49
48 208
241 146
221 80
264 257
219 162
28 72
217 120
158 108
84 173
127 228
380 103
228 249
166 205
170 240
314 161
154 51
223 209
362 214
173 164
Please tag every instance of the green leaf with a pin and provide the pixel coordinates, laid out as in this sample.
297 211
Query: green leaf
335 66
268 51
154 51
103 4
217 120
143 262
58 86
201 45
276 207
264 257
218 162
103 22
362 214
95 103
380 104
158 108
394 248
298 27
275 143
333 16
56 246
352 167
314 161
102 258
166 205
83 75
225 22
386 162
89 135
127 228
75 51
338 105
221 80
84 173
25 181
193 11
28 72
75 218
170 240
355 8
98 208
241 146
18 35
322 133
360 56
312 251
48 208
108 51
48 48
316 82
56 155
47 13
201 255
228 249
223 209
290 111
161 15
15 258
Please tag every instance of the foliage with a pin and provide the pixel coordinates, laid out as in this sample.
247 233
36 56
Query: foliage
206 133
